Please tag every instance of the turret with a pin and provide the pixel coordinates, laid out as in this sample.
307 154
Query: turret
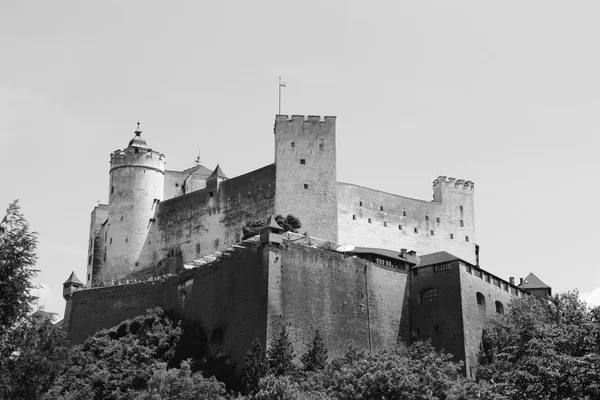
215 179
136 188
71 285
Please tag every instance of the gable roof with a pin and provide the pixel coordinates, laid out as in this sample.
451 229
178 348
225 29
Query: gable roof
533 282
437 258
217 173
73 280
381 252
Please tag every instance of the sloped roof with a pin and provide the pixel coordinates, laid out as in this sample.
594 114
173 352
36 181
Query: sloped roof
198 170
218 173
533 282
382 252
137 140
436 258
271 223
73 280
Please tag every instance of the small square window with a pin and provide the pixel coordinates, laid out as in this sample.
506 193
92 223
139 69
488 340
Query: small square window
427 218
211 194
461 208
432 233
380 208
369 220
452 236
354 217
302 161
384 223
399 227
306 186
466 238
437 219
360 203
293 144
416 230
462 223
177 185
404 213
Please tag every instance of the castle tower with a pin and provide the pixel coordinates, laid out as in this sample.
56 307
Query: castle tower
71 285
215 179
136 188
306 180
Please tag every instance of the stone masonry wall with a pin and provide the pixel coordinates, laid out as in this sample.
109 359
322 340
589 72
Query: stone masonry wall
393 222
351 301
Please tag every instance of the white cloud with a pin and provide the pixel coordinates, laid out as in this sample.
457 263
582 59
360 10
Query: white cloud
592 298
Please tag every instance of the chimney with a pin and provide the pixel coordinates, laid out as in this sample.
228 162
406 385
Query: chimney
521 279
512 280
403 253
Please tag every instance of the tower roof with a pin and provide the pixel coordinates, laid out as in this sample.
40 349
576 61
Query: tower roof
272 223
73 280
137 140
217 173
533 282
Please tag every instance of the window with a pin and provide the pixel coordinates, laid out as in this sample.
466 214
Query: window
441 267
427 218
487 278
321 144
112 189
404 213
415 272
429 295
110 240
384 223
495 282
90 259
137 264
121 218
211 194
436 329
452 236
354 217
88 277
293 144
177 185
306 186
416 230
466 238
380 208
480 299
432 233
197 247
462 223
302 161
437 219
461 208
499 308
478 273
369 220
399 227
126 239
360 203
505 287
415 332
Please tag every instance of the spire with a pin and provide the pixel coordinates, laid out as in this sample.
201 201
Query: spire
217 173
73 280
137 140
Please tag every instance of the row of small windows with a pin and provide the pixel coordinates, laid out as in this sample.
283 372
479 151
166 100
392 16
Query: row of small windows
481 302
461 222
321 144
494 281
415 230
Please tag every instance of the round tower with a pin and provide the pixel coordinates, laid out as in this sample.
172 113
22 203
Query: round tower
136 188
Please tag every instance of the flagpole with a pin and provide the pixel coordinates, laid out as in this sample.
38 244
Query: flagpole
279 85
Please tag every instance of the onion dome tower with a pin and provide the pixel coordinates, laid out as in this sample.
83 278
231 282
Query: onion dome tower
136 188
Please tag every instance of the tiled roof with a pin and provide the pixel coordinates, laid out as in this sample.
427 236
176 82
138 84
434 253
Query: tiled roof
73 280
382 252
533 282
436 258
218 173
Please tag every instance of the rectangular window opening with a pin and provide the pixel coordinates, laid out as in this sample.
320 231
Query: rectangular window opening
462 223
354 217
404 213
369 220
466 238
306 186
416 230
360 203
302 161
211 193
432 233
452 236
437 219
293 144
427 218
399 227
384 223
380 208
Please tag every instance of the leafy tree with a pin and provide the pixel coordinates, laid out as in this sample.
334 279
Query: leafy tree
316 357
256 366
252 228
181 384
281 354
286 388
118 363
544 350
17 258
32 355
290 223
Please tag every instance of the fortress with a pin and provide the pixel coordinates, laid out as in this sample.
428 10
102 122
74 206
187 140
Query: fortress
412 271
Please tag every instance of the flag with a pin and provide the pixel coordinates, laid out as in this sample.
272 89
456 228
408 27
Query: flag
282 84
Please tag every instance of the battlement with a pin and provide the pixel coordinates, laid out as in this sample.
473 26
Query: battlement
303 118
454 183
133 157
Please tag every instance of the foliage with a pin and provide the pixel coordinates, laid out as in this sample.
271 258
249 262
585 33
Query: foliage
544 350
31 357
281 354
17 258
290 223
117 363
251 229
181 384
316 357
256 366
286 388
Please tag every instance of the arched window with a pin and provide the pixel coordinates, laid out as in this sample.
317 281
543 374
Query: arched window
499 308
216 338
429 295
480 299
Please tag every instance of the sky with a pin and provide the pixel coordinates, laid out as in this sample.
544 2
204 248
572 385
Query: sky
504 94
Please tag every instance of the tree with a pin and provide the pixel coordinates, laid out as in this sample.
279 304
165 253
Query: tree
181 384
281 354
252 228
544 350
256 366
316 357
17 258
117 363
290 223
